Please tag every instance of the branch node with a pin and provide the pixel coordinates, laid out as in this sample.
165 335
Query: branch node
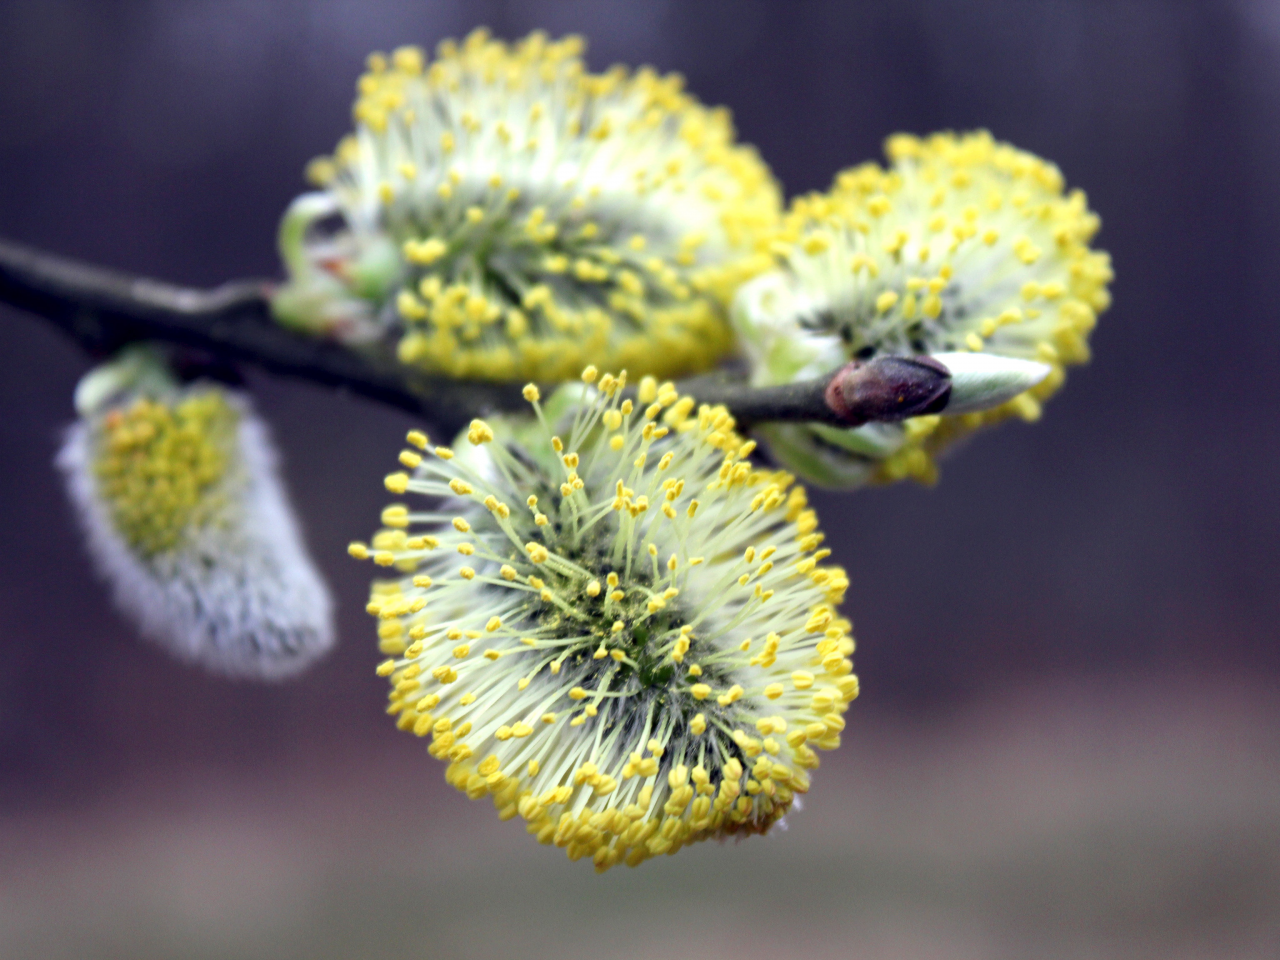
888 388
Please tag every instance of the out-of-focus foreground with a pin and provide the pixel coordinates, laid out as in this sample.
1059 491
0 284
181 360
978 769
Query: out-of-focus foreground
1074 821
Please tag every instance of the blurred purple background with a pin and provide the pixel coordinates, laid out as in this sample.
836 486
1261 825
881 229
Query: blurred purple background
1067 740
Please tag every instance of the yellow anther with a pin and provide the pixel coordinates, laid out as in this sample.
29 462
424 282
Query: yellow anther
886 301
396 515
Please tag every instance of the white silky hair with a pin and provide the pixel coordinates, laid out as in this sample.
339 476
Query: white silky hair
240 596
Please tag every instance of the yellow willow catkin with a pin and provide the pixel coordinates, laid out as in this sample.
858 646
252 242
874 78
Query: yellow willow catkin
544 217
613 623
961 244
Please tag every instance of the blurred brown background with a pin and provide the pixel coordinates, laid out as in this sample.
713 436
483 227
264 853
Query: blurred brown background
1068 741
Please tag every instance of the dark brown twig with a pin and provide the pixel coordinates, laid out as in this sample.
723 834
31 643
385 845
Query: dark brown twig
102 310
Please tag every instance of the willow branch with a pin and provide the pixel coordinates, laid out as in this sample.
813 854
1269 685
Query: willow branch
103 310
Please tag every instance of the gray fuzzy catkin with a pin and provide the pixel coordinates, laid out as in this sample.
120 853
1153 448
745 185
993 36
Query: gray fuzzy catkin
240 596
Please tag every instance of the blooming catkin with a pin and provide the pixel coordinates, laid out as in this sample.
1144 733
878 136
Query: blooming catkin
186 518
519 216
611 622
962 244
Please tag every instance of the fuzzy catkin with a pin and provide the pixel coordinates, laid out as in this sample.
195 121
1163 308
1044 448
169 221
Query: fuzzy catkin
236 591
